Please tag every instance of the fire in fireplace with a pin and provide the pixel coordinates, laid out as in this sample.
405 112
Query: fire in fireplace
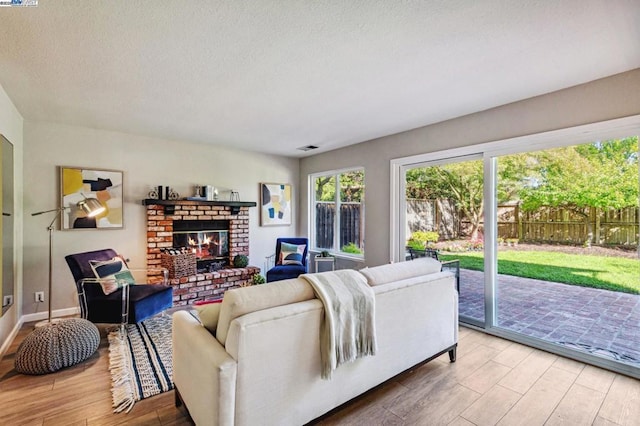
208 239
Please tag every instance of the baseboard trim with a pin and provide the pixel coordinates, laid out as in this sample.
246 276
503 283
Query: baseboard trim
39 316
9 340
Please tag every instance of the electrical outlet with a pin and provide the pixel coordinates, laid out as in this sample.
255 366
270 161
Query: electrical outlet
7 300
39 296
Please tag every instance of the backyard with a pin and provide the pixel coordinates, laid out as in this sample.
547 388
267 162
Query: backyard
595 267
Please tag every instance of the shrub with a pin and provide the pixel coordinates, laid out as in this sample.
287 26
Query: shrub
351 248
425 236
240 261
415 244
258 279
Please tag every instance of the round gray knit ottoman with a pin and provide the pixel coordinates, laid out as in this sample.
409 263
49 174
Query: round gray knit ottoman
58 345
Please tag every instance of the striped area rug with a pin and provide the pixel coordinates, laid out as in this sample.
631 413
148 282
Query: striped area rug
140 364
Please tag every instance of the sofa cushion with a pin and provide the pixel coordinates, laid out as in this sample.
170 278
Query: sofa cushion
399 271
291 254
208 314
241 301
113 273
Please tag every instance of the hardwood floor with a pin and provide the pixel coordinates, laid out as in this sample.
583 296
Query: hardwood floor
494 381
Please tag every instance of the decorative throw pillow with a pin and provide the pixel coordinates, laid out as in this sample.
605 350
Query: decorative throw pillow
208 314
291 254
112 273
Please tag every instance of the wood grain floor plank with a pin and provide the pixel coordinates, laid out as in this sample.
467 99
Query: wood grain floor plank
525 374
485 377
442 408
513 355
622 403
596 378
578 407
459 421
492 406
568 365
469 363
535 407
599 421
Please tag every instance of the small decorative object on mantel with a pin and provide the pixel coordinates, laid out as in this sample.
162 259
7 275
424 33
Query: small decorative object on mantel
173 195
234 195
211 193
204 193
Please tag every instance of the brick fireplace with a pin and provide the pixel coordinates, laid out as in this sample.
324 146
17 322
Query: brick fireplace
163 215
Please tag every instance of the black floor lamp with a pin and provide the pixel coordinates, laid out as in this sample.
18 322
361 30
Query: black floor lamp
92 207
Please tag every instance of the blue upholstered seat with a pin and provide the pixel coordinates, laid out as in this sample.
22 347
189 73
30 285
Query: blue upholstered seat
145 300
282 272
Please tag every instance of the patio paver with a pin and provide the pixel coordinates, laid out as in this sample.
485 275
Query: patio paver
602 322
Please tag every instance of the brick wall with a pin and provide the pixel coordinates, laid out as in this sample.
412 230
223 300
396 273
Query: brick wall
208 285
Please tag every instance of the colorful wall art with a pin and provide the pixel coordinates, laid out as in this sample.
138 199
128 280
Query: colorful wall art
275 204
105 185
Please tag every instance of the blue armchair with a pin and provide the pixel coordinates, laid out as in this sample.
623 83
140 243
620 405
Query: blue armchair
291 259
126 303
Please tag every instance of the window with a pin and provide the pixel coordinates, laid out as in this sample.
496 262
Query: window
337 205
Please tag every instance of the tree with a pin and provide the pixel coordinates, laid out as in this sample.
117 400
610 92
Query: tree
351 187
460 182
577 178
463 184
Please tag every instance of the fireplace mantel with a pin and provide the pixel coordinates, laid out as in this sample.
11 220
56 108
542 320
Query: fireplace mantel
233 205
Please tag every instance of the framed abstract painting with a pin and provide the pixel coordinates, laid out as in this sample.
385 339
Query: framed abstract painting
77 184
275 204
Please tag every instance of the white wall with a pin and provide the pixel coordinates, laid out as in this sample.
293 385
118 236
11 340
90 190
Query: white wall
11 123
146 162
600 100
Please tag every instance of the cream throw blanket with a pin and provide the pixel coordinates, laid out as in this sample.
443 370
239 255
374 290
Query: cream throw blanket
348 329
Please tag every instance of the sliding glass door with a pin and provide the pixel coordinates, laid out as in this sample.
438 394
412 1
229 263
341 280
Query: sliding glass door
444 217
546 230
567 247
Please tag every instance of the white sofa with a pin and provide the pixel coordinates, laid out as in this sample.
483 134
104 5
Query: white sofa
263 365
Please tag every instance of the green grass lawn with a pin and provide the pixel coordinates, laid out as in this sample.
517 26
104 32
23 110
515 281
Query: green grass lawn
611 273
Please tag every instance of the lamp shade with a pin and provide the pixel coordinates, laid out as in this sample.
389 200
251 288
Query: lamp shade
91 206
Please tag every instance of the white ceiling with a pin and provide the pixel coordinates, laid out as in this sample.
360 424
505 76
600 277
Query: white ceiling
275 75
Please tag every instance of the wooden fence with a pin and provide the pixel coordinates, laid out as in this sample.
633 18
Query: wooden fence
433 215
616 227
351 224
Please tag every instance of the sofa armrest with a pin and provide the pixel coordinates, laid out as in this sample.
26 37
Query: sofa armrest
454 267
203 372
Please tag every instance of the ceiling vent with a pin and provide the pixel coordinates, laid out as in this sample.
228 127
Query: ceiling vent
308 148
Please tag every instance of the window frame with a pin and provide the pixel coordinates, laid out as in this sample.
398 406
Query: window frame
336 250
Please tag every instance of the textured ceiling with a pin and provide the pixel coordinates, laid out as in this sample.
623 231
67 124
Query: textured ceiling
275 75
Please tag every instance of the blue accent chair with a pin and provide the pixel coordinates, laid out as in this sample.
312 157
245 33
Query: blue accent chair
131 304
282 272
